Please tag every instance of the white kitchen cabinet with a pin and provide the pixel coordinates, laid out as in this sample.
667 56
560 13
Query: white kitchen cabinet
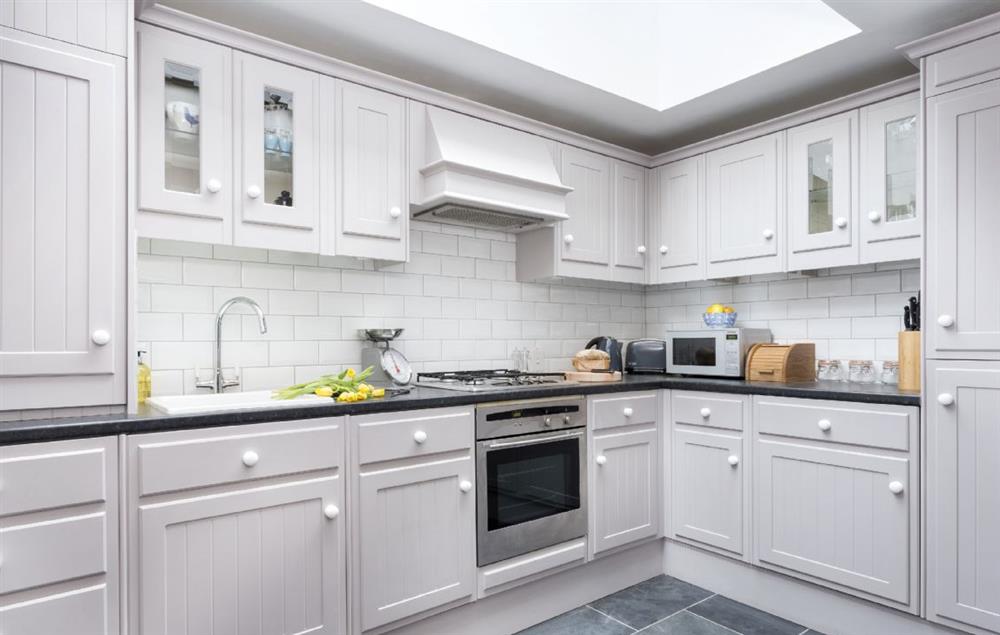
963 494
62 224
59 537
364 172
625 498
97 24
277 154
245 534
629 235
888 215
185 128
584 237
745 198
822 182
677 245
961 319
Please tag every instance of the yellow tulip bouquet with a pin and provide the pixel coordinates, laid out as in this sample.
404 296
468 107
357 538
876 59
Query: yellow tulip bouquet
346 387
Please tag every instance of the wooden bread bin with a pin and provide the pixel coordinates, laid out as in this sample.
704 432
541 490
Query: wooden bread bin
781 362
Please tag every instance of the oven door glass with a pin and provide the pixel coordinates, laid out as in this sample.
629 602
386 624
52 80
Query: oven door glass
533 481
694 351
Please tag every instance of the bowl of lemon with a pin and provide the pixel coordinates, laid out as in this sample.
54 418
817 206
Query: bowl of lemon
719 316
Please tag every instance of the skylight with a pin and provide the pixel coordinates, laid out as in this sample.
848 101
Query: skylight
658 54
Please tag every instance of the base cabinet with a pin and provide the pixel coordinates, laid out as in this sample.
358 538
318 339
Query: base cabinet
625 507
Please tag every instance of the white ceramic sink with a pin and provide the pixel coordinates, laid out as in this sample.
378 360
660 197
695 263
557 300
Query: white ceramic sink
210 402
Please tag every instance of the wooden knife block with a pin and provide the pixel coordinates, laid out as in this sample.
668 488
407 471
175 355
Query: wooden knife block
909 360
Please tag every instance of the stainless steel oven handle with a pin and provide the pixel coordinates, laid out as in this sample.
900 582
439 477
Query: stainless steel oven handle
547 438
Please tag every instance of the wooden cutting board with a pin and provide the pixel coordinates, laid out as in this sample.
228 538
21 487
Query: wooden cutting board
594 377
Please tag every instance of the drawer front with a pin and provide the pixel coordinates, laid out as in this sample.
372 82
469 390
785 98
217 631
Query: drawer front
869 425
176 461
708 409
405 434
625 410
83 611
52 551
50 475
523 569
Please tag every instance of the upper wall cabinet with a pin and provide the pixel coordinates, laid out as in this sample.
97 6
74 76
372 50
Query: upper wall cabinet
746 209
365 172
677 220
62 224
889 220
94 24
822 193
629 222
585 234
186 179
277 155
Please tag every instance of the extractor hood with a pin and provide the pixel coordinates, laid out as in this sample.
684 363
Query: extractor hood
483 174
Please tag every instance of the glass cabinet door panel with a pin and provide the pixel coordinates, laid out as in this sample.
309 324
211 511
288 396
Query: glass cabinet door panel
278 146
182 139
901 169
820 174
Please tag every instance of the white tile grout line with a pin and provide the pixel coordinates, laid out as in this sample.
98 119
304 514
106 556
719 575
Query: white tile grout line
663 619
611 618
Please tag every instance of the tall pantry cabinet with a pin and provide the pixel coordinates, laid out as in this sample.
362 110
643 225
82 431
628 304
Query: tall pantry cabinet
962 332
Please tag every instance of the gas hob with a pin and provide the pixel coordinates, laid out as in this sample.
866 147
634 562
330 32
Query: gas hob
490 380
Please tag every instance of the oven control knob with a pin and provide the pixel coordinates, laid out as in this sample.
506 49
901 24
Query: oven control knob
567 420
548 422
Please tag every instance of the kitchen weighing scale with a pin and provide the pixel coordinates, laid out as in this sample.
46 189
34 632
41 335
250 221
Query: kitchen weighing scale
390 366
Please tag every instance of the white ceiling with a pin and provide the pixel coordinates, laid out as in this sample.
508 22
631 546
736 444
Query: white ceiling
370 36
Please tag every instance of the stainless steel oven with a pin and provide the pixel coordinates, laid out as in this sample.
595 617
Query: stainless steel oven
531 475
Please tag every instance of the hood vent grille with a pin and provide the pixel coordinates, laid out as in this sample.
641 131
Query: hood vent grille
491 219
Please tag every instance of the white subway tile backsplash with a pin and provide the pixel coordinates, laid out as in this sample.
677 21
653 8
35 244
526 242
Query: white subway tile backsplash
293 302
165 269
200 327
879 282
440 244
293 353
160 326
828 286
213 273
244 254
341 304
852 305
810 308
269 276
308 327
170 298
362 281
473 247
884 327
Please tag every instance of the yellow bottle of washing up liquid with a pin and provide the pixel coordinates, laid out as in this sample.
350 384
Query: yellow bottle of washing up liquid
145 379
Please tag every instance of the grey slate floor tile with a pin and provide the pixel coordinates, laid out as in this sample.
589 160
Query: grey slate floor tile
581 621
686 623
744 619
651 600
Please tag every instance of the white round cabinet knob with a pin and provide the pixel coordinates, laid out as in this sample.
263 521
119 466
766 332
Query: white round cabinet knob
601 459
331 511
874 216
768 234
641 249
734 460
213 185
896 487
465 486
100 337
627 412
250 458
419 436
663 249
946 320
824 425
395 212
946 399
253 191
841 222
568 239
706 412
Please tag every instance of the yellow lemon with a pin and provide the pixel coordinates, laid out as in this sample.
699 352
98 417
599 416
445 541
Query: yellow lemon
729 309
324 391
715 308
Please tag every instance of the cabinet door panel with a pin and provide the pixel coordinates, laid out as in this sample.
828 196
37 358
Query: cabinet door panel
417 535
626 488
680 210
630 216
889 218
584 236
963 498
963 150
707 489
61 213
185 127
831 514
266 560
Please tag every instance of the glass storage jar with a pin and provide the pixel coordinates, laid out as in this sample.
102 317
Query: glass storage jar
862 371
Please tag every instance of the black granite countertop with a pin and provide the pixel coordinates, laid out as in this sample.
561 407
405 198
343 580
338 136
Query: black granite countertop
150 420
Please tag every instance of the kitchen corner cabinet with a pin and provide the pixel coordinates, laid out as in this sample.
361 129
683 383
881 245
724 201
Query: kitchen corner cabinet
364 172
889 218
62 224
963 190
59 538
963 494
745 198
629 249
677 222
238 530
185 127
277 155
822 184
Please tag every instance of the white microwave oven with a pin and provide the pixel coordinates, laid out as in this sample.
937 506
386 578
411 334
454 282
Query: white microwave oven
712 352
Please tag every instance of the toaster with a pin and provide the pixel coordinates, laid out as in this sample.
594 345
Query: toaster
646 356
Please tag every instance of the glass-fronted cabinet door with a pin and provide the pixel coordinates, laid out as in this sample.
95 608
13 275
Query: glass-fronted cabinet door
890 218
822 178
277 154
185 137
